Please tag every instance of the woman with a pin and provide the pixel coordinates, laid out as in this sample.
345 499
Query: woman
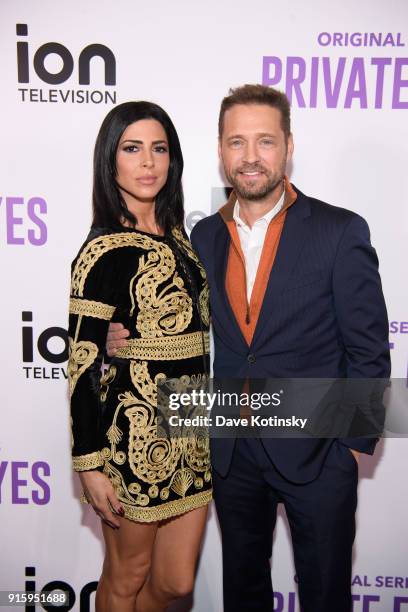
137 267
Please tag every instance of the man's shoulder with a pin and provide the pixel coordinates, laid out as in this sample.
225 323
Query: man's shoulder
330 213
209 222
207 226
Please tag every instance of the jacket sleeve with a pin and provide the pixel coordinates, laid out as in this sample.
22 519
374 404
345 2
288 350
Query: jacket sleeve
361 313
194 239
91 307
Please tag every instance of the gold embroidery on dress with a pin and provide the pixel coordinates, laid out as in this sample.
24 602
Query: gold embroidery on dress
162 511
129 494
204 294
196 447
197 451
168 348
163 467
140 377
90 308
165 313
87 462
179 236
182 481
114 433
106 380
151 458
153 491
81 355
203 300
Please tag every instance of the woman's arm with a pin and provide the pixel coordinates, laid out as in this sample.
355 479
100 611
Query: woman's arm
92 304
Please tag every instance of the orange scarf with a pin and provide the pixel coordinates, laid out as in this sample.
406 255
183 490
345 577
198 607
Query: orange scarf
235 282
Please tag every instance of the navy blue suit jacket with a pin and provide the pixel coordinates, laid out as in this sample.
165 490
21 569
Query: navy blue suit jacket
323 316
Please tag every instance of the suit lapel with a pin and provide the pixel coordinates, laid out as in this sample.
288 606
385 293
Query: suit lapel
221 249
294 233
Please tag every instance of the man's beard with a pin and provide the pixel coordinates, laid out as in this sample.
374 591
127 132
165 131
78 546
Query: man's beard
255 192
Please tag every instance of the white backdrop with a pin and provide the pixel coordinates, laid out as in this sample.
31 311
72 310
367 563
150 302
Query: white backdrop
351 143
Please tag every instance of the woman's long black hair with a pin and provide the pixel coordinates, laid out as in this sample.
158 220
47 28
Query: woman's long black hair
109 207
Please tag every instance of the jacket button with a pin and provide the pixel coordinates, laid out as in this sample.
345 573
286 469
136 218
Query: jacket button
251 358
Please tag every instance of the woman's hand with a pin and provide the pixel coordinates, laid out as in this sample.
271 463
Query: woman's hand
101 495
355 453
116 339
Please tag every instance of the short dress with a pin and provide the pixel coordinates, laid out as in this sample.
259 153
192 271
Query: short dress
157 288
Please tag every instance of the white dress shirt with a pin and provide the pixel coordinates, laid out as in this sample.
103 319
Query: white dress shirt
252 240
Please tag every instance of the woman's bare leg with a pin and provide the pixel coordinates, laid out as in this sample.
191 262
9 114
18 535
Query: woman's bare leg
128 557
174 561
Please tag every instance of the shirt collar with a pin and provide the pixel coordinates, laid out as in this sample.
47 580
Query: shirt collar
267 217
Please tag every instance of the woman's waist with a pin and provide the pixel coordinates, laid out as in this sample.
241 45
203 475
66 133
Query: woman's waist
166 348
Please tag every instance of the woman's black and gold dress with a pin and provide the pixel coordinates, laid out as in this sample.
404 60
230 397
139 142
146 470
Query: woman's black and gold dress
157 288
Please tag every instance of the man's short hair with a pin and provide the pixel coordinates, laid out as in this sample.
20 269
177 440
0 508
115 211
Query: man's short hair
257 94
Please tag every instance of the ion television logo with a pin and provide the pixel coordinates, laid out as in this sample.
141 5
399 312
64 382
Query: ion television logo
85 596
50 345
54 64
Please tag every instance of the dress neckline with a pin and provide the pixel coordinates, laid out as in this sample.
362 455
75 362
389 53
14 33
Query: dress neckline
138 231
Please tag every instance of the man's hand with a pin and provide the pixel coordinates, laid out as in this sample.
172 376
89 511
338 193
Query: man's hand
101 495
116 338
356 454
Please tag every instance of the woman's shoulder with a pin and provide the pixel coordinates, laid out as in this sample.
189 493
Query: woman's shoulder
106 243
97 243
104 239
105 246
124 236
96 257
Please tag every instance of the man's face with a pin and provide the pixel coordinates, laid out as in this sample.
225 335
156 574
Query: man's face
254 151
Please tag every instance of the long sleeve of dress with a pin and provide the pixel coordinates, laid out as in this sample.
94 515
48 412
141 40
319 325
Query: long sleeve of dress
92 305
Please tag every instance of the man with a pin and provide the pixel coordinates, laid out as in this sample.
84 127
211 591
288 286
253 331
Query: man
295 293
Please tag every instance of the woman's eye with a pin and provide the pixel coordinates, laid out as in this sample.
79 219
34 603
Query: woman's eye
131 148
160 149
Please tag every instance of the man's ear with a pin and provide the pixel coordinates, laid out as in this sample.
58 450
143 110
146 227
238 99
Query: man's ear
290 147
219 149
